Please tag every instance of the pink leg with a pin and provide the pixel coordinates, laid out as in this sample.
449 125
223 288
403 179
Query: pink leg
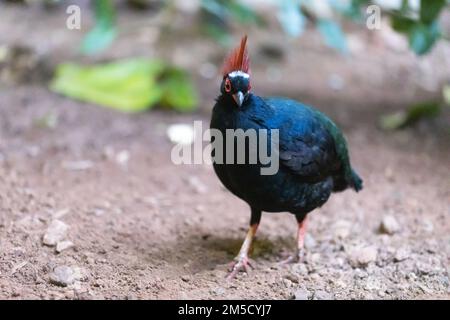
301 232
242 262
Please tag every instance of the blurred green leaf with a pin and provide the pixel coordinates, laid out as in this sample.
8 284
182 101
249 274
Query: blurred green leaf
351 9
332 34
217 14
98 39
430 10
217 33
178 91
243 13
421 36
131 85
128 86
405 118
232 9
402 24
214 7
291 18
446 93
404 7
104 31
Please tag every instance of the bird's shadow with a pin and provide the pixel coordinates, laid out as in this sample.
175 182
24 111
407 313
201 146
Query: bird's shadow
213 251
261 247
199 250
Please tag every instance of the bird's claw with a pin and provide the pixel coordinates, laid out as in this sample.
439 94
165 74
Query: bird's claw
241 263
296 258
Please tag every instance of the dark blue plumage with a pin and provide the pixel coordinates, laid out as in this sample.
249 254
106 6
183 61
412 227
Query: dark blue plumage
313 156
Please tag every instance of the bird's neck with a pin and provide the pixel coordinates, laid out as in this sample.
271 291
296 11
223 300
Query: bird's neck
226 101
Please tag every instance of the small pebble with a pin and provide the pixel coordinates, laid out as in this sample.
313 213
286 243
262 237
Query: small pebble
427 225
123 157
342 229
219 291
63 245
55 232
323 295
389 225
63 276
310 242
301 294
291 277
361 257
300 268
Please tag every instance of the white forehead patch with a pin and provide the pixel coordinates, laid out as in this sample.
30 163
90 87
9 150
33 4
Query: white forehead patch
238 73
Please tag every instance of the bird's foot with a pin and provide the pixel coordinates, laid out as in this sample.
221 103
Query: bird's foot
295 258
239 264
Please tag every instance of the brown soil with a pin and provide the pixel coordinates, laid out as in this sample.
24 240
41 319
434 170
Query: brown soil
148 229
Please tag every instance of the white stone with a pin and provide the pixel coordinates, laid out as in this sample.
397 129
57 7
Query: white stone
55 232
389 225
63 245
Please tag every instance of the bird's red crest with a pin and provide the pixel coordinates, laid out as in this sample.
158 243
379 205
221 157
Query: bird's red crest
238 59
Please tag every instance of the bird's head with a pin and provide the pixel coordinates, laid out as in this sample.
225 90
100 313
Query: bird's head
236 74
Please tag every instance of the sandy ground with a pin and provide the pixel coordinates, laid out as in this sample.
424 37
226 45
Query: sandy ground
143 228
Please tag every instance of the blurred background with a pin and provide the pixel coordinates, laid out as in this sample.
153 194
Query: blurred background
93 95
326 46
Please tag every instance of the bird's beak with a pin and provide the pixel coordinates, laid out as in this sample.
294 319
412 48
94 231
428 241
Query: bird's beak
238 98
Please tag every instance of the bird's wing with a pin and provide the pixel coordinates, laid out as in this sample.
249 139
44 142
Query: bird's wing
308 153
307 148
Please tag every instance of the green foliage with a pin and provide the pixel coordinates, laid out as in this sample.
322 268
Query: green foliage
242 13
218 14
407 117
104 31
430 10
422 31
291 18
293 21
421 28
130 85
446 93
352 9
421 36
178 91
232 9
332 34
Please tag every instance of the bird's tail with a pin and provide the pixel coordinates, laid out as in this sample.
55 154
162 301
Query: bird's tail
351 179
356 182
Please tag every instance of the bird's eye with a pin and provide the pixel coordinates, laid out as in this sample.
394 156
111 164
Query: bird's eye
227 85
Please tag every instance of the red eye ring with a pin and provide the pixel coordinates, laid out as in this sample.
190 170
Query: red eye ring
227 85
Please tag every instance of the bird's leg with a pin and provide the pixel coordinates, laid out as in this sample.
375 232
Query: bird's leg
242 262
301 231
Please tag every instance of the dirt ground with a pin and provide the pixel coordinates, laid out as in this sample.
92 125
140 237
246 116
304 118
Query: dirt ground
143 228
